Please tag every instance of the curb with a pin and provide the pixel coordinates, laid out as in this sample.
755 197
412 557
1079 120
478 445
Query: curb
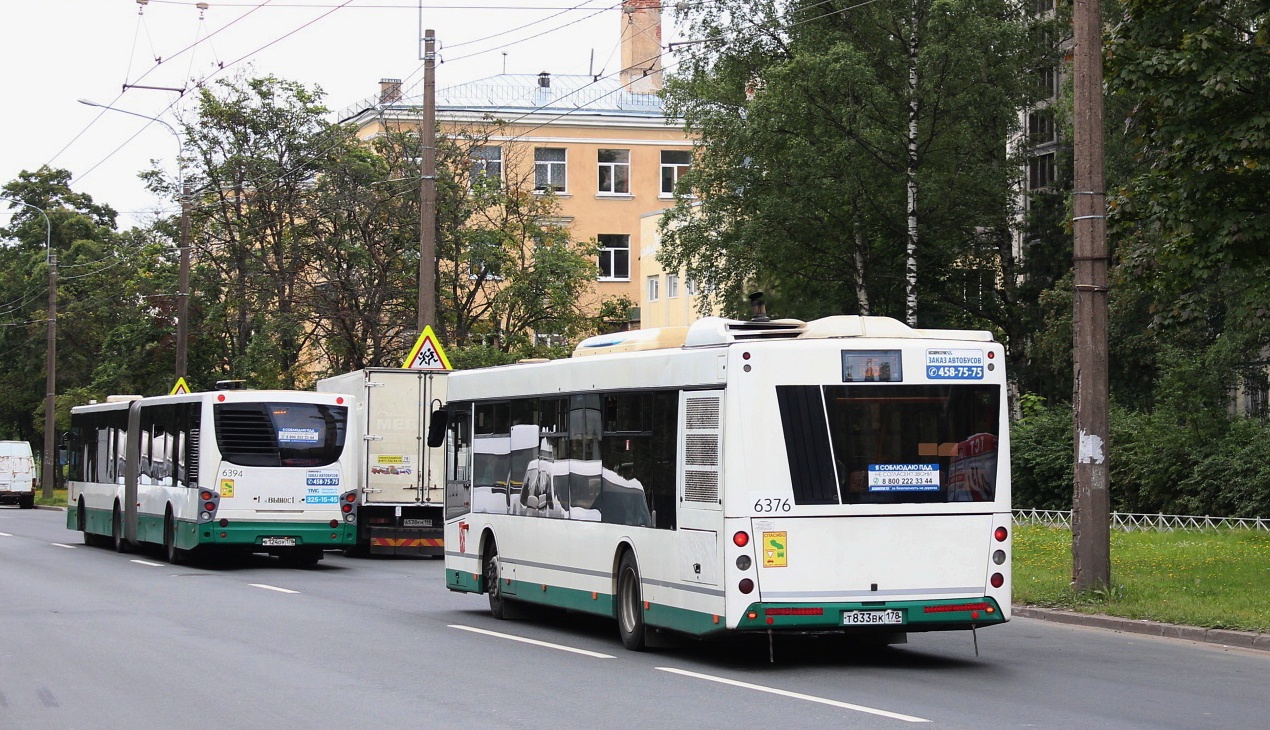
50 506
1225 637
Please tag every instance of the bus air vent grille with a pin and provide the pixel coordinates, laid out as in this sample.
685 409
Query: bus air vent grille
701 486
702 413
701 450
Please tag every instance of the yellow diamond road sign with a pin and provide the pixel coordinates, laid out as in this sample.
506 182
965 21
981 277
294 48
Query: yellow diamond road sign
427 353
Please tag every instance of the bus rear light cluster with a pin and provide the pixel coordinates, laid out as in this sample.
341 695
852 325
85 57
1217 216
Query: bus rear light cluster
741 538
348 506
950 608
208 503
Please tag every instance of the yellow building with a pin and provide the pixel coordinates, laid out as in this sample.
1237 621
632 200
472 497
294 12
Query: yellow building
666 299
603 146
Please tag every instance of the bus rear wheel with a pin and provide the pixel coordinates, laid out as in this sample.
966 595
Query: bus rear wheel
175 555
493 583
630 604
116 531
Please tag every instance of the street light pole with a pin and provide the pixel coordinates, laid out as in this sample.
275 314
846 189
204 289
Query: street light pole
50 359
183 295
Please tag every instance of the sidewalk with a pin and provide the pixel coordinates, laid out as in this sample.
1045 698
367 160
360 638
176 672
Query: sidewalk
1225 637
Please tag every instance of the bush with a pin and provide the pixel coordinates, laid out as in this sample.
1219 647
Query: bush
1041 457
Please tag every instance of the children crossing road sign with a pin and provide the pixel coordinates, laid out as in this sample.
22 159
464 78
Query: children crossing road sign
427 353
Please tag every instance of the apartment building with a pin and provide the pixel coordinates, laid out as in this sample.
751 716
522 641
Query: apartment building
602 145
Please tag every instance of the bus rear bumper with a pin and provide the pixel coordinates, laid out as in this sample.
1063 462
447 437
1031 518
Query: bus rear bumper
873 616
266 535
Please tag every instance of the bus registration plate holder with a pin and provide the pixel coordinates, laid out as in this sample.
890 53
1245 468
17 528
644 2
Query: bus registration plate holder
278 541
872 618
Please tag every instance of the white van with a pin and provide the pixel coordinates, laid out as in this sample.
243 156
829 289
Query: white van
17 474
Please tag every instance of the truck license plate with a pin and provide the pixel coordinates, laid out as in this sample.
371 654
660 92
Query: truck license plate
277 541
413 522
872 618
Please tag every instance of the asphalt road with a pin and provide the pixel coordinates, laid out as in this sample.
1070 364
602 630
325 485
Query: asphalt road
95 639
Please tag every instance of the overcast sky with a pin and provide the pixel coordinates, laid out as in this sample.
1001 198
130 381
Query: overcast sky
54 52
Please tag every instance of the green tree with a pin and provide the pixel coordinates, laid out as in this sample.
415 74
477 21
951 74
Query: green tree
835 164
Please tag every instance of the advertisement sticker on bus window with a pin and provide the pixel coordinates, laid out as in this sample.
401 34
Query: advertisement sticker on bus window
322 478
954 364
321 495
297 435
775 550
903 477
227 488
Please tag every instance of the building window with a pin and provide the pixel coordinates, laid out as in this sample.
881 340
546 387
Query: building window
672 286
615 257
1040 127
549 169
654 288
1047 82
690 287
674 163
615 172
487 161
1040 171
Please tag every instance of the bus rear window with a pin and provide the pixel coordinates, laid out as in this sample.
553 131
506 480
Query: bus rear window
280 434
895 444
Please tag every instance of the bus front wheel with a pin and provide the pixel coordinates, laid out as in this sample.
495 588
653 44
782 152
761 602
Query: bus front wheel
493 583
630 604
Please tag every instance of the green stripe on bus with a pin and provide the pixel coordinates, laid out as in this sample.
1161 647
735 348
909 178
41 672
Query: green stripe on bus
253 533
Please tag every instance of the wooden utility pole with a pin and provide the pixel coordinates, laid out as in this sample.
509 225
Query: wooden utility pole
428 187
1091 504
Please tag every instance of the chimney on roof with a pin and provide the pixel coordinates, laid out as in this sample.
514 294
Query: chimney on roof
389 91
641 46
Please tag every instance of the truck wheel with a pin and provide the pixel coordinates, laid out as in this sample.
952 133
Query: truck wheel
630 606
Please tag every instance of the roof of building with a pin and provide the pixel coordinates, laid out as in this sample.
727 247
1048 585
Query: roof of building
523 93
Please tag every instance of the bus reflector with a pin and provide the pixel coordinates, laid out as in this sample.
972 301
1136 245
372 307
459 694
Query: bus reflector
1001 534
741 539
808 611
224 522
997 580
958 607
335 523
746 585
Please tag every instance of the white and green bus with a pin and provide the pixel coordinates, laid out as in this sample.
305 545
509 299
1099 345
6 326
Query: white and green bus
229 470
848 474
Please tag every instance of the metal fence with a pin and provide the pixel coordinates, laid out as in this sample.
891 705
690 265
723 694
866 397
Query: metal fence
1128 522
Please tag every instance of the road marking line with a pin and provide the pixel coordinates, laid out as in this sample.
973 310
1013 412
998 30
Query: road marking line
271 588
147 562
5 534
68 547
535 642
795 695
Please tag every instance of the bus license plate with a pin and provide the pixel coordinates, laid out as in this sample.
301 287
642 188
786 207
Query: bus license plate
277 541
872 618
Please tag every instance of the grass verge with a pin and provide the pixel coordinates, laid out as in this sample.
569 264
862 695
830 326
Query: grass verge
57 500
1210 579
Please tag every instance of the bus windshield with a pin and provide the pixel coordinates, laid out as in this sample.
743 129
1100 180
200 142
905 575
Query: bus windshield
280 434
891 444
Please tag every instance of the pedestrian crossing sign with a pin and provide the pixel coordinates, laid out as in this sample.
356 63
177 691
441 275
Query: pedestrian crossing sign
427 353
180 388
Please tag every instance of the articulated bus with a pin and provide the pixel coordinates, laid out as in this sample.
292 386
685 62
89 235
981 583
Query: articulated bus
844 475
231 470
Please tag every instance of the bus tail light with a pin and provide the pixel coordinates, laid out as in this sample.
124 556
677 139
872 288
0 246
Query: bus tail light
348 506
997 580
1001 534
335 523
746 586
209 502
741 538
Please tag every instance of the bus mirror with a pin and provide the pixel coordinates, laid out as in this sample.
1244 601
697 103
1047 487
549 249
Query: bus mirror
436 428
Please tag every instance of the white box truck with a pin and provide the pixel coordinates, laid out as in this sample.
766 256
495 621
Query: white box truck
17 474
400 480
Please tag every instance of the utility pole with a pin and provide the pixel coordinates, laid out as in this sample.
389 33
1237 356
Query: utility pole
47 477
183 295
1091 504
428 187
